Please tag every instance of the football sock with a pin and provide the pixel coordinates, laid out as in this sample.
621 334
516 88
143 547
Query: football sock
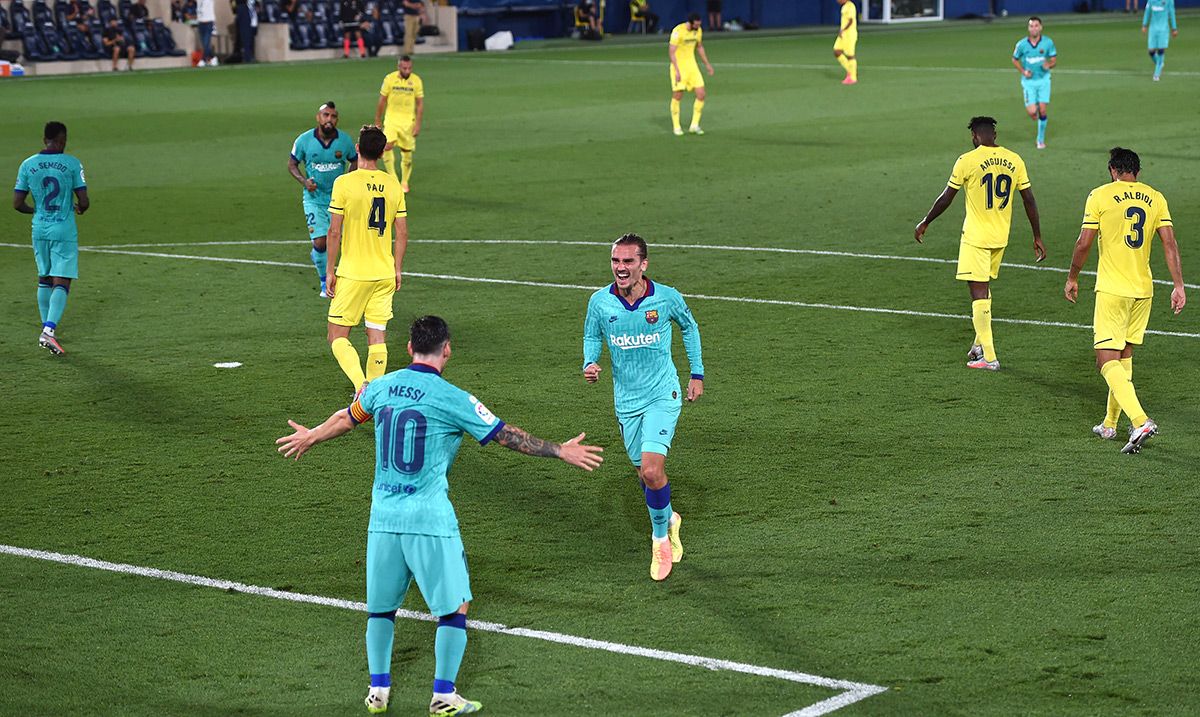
58 304
845 63
1118 382
1042 129
381 630
697 108
347 358
387 162
376 361
1114 409
319 260
853 69
449 644
406 161
1158 62
981 316
675 113
44 299
362 48
345 46
659 503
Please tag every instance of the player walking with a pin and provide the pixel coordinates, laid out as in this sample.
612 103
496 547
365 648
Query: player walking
1160 19
1125 214
326 154
399 111
420 419
55 179
989 173
847 40
1034 57
633 316
686 40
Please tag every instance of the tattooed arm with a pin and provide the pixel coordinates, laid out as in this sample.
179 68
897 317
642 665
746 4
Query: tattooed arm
572 451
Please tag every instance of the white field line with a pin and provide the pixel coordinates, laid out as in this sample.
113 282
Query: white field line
710 247
553 285
851 692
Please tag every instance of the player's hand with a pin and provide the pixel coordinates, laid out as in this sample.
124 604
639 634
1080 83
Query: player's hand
1178 299
416 129
678 78
1174 33
1071 290
398 279
1027 73
1143 29
920 231
711 71
695 389
310 184
581 455
591 372
329 283
295 445
1039 249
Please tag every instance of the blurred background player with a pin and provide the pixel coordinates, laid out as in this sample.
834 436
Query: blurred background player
413 532
55 179
367 208
1034 57
686 40
414 11
1125 214
847 40
633 316
1158 24
989 173
325 154
351 14
399 111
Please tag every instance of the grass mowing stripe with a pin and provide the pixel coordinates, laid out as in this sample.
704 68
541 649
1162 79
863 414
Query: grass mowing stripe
853 691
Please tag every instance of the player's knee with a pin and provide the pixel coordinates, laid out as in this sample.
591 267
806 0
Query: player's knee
654 477
319 243
837 53
44 281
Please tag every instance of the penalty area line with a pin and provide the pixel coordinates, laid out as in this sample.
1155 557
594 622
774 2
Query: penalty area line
850 692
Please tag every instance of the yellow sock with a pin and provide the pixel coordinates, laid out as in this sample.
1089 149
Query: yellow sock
1114 409
853 69
376 361
1118 382
697 108
845 63
347 358
675 112
406 160
981 316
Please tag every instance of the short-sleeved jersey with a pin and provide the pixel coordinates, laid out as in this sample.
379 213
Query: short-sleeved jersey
402 94
324 162
1126 215
849 15
1159 15
52 178
368 200
420 419
685 42
638 337
990 178
1033 57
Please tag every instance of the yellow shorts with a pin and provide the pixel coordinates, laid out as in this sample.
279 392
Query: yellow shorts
689 78
401 136
846 44
354 301
976 263
1119 320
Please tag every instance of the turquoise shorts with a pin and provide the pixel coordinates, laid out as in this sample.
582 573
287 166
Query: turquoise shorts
1158 39
55 258
438 564
650 431
316 215
1036 91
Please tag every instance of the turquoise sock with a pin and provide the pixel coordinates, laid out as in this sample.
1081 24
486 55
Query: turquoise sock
1042 130
318 260
449 644
1158 63
658 502
381 630
57 305
44 300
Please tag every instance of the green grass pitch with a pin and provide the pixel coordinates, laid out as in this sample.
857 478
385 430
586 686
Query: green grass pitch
859 506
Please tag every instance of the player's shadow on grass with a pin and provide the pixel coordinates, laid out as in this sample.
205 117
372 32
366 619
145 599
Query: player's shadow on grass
126 398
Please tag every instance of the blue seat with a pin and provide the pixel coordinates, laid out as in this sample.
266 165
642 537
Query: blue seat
56 45
164 40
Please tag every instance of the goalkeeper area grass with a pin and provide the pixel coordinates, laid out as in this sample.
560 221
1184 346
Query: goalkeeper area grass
861 509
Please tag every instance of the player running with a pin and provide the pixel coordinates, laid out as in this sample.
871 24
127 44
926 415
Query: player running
686 40
1125 215
420 419
1034 57
366 210
633 316
326 154
399 111
847 40
1158 25
55 179
989 173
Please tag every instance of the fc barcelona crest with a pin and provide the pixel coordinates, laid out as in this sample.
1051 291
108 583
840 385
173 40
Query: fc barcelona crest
338 154
652 317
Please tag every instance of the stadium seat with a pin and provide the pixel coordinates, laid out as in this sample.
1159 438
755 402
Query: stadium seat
81 43
33 47
123 8
164 40
61 8
56 45
5 31
20 18
142 40
273 12
105 11
42 13
299 34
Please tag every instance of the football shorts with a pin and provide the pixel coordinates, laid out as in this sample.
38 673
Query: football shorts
437 563
1119 320
56 258
400 136
353 301
1158 39
846 43
976 263
689 77
316 214
1036 91
650 431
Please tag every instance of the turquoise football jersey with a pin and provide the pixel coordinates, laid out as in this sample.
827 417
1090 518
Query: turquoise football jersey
420 419
324 162
638 337
52 178
1159 15
1033 57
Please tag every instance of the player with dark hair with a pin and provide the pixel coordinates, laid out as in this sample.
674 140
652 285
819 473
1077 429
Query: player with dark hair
687 39
1124 215
1159 26
351 14
400 110
989 173
846 42
55 179
326 155
1034 57
633 316
420 419
369 229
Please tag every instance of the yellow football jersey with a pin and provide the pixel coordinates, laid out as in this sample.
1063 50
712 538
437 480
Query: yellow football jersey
991 176
368 200
402 97
1127 215
849 15
685 42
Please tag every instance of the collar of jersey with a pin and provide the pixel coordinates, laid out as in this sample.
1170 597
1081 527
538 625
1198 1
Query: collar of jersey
634 305
423 368
46 151
317 134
